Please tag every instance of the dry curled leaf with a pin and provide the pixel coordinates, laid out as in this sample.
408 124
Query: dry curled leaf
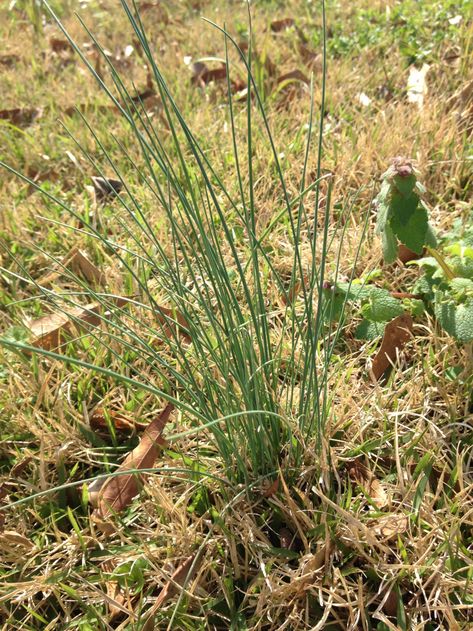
396 335
89 108
310 57
78 261
115 597
9 60
11 538
404 254
142 97
106 187
359 473
180 577
293 76
49 330
59 45
20 466
272 488
118 492
389 526
21 116
202 75
121 423
170 320
281 25
81 264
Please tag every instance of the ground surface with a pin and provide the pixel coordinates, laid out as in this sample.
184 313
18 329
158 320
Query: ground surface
375 530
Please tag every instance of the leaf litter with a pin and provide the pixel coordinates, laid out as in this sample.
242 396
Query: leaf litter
118 492
397 334
359 473
99 421
49 330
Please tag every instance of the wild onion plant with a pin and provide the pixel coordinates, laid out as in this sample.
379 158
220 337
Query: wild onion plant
249 374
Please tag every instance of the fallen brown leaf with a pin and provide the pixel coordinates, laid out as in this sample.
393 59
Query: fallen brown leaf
294 75
158 7
115 597
272 489
166 316
389 526
359 473
390 601
49 329
105 187
182 575
37 176
405 294
20 466
292 293
9 60
15 539
98 422
281 25
202 75
404 254
89 108
21 116
118 492
78 261
309 56
81 264
58 45
396 335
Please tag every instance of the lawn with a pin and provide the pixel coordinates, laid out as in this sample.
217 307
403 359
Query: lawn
236 315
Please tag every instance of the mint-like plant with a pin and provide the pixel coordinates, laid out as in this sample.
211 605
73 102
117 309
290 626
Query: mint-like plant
446 287
376 305
402 215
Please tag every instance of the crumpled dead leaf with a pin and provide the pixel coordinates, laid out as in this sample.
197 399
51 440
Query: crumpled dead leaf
118 492
404 254
121 423
202 75
293 76
389 526
281 25
9 60
359 473
79 263
59 45
105 187
49 329
116 599
182 575
310 57
21 116
396 335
